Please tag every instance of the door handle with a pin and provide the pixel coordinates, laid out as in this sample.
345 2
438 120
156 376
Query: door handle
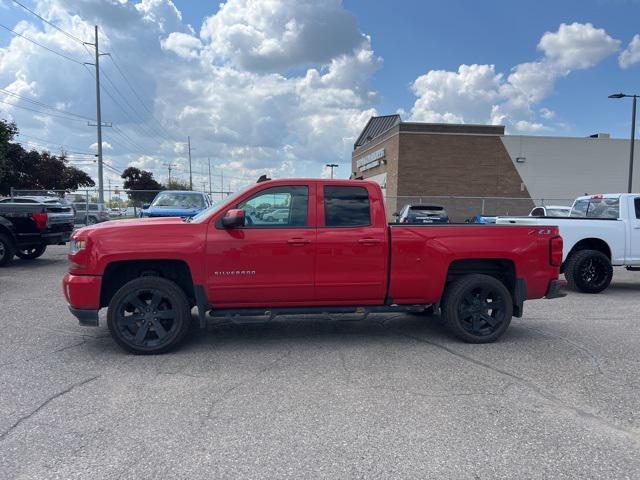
298 241
370 241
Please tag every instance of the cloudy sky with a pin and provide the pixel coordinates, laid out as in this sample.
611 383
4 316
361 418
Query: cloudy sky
284 86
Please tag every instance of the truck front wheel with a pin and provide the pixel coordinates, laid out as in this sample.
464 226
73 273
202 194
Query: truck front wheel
149 315
31 253
477 308
6 250
588 271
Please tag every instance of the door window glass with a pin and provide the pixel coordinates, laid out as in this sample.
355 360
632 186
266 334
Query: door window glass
277 207
636 202
346 206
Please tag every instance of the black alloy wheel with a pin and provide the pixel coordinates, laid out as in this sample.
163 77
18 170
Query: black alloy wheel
7 250
31 253
477 308
149 315
589 271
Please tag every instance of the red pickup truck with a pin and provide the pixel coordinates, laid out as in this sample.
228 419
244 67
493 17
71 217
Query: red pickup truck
303 246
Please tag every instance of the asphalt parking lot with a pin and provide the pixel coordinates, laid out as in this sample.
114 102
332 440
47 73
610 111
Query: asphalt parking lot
391 397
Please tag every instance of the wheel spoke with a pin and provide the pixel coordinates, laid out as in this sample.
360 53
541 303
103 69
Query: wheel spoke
165 314
159 329
155 300
142 332
489 319
139 304
475 324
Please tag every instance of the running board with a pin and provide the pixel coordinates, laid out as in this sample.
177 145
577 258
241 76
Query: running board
272 312
633 269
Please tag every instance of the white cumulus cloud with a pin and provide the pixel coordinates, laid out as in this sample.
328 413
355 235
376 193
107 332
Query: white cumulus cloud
630 55
480 94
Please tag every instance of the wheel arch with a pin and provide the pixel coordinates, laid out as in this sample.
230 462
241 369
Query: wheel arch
591 243
118 273
502 269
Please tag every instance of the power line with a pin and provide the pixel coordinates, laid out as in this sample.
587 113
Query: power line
41 112
39 103
50 142
73 37
40 45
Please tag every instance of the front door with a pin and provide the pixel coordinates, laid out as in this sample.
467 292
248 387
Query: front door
270 261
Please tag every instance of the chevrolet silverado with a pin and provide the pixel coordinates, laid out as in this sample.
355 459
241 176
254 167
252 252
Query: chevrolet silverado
333 252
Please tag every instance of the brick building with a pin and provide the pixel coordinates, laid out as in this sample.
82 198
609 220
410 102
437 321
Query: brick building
415 161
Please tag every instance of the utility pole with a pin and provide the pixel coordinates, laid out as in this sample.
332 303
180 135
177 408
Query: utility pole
332 166
98 118
190 174
209 161
169 167
221 184
109 191
633 133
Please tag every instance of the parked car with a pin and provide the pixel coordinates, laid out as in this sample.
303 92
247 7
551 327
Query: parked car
550 211
482 219
174 203
336 253
602 231
92 213
423 214
27 227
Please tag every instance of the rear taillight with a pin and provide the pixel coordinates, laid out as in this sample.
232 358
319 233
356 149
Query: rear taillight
41 219
555 251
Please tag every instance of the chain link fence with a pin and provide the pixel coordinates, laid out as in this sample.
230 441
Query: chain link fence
465 209
121 203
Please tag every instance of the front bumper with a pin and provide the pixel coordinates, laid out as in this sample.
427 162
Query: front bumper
83 294
555 289
86 317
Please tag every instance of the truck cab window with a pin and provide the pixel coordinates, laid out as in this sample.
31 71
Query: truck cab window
346 206
636 202
277 207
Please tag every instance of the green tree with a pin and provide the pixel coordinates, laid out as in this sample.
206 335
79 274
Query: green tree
33 170
177 185
136 179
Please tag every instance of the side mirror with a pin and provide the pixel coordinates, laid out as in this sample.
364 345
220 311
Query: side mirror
233 218
145 206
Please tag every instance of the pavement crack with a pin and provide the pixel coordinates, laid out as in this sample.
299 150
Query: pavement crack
246 381
50 399
631 434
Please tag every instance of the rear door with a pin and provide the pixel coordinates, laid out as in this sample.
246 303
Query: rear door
270 261
634 225
352 245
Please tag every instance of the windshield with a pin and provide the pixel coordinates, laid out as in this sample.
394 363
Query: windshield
178 200
204 214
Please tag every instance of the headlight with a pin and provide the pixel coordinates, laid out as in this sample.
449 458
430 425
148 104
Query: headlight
76 245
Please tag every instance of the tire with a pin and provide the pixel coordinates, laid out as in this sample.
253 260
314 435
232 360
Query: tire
149 315
31 253
7 250
588 271
467 312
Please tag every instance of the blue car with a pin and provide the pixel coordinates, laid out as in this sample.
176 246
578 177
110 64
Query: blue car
173 203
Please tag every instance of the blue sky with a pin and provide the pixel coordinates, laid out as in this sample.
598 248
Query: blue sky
285 86
413 36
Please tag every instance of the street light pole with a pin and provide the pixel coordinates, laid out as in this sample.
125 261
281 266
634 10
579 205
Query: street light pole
331 166
633 134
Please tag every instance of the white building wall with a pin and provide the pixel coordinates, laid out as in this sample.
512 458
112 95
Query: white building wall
567 167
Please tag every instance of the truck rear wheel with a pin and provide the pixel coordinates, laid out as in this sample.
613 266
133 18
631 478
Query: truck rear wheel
149 315
588 271
7 250
477 308
31 253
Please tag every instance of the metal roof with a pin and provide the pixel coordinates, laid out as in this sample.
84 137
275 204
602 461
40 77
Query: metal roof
375 126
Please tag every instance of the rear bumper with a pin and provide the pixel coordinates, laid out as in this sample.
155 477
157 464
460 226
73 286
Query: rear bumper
555 289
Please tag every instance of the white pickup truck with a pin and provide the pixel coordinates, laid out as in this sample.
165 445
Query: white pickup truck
601 231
